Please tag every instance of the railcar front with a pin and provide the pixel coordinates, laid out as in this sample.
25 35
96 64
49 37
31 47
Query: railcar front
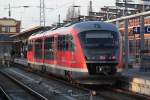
100 47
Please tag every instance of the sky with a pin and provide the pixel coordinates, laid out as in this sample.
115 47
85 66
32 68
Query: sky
30 16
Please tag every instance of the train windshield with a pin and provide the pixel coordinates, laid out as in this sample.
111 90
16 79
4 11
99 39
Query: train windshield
98 39
98 42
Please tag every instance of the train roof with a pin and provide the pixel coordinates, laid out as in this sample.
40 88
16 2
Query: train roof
79 27
94 25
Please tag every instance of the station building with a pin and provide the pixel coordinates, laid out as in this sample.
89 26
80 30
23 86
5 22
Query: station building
20 41
8 27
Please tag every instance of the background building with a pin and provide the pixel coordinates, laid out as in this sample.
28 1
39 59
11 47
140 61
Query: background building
8 27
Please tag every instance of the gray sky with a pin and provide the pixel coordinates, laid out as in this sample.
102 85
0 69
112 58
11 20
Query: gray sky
30 16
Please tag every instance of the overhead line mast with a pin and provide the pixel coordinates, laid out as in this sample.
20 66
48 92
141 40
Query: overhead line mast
42 13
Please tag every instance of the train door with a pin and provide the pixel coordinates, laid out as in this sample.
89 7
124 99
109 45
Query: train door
63 53
71 49
49 50
68 50
30 51
61 50
38 54
55 49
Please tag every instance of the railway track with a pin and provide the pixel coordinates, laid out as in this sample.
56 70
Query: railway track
53 88
89 93
3 95
107 92
15 90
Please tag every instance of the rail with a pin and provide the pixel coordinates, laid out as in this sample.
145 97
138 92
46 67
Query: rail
3 94
25 87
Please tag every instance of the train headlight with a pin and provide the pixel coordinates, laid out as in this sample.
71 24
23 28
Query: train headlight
113 57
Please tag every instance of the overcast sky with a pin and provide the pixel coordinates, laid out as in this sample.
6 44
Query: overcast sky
30 16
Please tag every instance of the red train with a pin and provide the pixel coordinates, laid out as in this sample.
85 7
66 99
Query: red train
84 51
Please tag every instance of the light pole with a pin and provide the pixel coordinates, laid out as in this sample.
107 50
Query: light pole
142 32
126 38
142 29
9 11
42 12
126 34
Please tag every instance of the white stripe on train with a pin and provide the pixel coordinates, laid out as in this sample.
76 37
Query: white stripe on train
61 67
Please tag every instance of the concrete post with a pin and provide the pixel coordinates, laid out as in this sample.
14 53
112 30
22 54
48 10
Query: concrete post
126 44
142 31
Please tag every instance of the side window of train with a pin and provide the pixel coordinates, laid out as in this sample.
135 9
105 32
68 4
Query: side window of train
70 42
29 46
65 43
48 48
38 49
61 43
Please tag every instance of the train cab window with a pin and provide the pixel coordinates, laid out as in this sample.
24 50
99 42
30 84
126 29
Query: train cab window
38 49
48 48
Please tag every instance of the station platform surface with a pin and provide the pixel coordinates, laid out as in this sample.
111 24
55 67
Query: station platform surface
138 80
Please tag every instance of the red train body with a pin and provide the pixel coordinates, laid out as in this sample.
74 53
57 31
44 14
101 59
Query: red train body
82 51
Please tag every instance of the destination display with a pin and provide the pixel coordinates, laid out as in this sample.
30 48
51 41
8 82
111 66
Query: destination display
99 35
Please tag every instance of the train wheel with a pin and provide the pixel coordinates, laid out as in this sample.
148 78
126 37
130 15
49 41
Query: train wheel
68 75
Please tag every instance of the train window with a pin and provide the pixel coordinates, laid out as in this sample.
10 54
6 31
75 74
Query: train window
48 48
65 43
38 49
58 43
61 45
70 43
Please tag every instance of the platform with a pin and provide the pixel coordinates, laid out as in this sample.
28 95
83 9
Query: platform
137 80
